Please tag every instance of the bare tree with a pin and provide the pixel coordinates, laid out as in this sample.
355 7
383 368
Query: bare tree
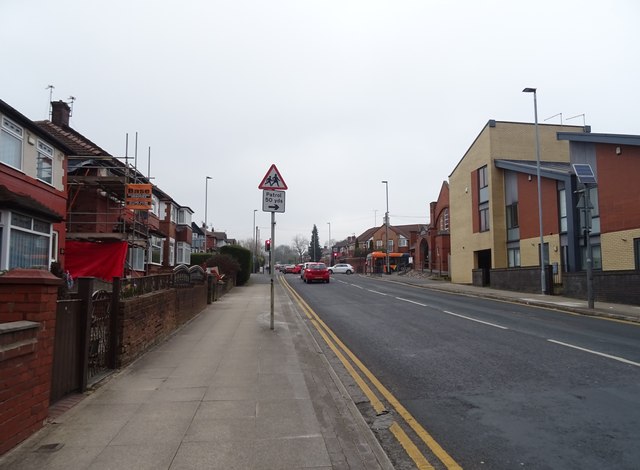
300 245
248 244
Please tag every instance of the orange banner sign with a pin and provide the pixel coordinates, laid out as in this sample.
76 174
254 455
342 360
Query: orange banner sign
138 197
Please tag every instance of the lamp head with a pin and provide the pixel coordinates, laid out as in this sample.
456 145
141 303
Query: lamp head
529 90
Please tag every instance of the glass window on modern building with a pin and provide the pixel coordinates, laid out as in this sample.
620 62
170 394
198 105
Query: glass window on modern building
562 209
594 209
596 257
483 198
513 230
514 257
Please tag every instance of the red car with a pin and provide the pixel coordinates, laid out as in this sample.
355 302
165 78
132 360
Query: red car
316 272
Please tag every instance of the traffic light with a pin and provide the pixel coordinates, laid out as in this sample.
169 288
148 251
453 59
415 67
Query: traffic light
267 245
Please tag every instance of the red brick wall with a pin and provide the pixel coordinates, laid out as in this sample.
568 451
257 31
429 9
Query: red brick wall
149 319
617 187
528 217
26 295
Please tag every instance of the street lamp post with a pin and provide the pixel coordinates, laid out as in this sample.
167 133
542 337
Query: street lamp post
386 223
535 111
330 247
206 200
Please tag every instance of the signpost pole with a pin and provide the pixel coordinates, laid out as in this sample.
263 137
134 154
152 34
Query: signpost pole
587 203
273 247
273 198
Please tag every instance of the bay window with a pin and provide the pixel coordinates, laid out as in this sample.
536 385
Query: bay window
27 239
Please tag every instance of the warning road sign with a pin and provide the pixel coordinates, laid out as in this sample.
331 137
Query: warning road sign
273 180
273 201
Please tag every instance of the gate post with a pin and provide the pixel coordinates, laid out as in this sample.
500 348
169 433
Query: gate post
114 326
209 288
85 291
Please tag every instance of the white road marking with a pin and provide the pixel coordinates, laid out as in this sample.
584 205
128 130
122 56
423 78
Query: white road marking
615 358
476 320
411 301
376 292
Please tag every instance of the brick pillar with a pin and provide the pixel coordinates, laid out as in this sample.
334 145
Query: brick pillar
27 331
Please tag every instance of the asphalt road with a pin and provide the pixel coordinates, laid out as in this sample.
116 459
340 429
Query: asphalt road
498 385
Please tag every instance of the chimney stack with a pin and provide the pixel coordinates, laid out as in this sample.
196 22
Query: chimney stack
60 112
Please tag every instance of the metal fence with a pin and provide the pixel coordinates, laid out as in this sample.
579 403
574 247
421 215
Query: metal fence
181 276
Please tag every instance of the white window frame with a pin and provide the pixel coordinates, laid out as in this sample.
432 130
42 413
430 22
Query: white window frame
45 153
513 255
379 243
172 252
174 213
6 230
54 246
155 243
183 253
155 205
12 130
402 241
136 258
184 217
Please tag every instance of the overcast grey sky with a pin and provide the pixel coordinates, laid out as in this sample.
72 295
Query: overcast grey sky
340 95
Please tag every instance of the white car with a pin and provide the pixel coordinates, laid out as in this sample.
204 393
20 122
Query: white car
341 268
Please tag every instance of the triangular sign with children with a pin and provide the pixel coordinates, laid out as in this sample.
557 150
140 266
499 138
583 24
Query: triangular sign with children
273 180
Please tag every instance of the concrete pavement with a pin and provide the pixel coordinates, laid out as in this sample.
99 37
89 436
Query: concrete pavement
224 392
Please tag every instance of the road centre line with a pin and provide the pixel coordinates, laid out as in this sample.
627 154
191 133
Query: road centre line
376 292
356 285
422 433
411 302
609 356
476 320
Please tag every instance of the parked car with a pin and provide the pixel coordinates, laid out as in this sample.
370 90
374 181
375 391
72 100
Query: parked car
341 268
316 272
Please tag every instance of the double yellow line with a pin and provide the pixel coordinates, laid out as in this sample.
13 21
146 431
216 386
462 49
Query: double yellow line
340 351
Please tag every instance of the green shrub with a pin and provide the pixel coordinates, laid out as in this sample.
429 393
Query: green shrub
225 263
243 257
200 259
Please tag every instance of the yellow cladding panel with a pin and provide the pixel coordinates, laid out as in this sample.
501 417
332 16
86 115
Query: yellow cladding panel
617 250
